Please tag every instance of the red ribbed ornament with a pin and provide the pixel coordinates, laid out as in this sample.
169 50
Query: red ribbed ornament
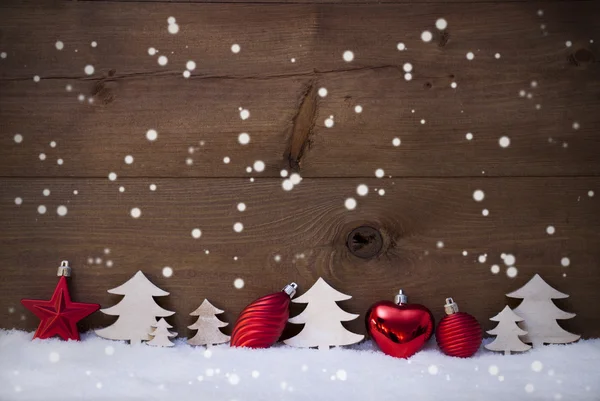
458 333
261 323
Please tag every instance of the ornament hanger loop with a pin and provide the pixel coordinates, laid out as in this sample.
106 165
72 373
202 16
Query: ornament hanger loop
400 298
451 307
290 289
64 269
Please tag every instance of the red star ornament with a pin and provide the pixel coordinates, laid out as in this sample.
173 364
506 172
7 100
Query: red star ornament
59 315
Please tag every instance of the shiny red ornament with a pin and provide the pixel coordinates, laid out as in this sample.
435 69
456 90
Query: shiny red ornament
59 315
261 323
399 329
458 334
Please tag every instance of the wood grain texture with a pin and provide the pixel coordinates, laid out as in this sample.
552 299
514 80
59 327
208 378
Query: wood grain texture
307 228
132 93
345 2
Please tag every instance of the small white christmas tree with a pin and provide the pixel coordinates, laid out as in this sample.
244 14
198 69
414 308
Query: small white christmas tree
161 334
322 318
540 313
137 310
507 332
208 326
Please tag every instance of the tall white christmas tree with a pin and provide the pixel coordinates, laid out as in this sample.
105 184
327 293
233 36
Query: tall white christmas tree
540 313
161 334
137 311
507 333
322 318
208 326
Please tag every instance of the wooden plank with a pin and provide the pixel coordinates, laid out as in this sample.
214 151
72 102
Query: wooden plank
316 36
93 140
345 2
140 94
308 228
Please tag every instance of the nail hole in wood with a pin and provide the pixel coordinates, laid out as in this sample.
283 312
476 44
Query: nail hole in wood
427 85
365 242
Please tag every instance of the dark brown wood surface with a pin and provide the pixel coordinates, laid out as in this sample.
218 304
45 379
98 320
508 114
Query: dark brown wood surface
308 228
548 176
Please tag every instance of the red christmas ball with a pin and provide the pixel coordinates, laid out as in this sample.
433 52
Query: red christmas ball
458 333
261 323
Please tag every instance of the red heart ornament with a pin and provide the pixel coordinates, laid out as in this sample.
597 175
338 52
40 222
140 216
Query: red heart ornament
399 329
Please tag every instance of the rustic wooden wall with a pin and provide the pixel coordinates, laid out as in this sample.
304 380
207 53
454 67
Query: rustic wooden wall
548 176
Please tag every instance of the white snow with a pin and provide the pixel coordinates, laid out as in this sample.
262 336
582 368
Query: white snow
54 370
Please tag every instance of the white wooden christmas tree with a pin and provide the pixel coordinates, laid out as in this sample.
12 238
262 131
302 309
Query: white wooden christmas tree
540 313
137 310
161 334
208 326
322 318
507 333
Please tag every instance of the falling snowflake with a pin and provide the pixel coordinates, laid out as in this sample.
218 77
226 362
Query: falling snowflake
478 195
441 24
244 138
362 190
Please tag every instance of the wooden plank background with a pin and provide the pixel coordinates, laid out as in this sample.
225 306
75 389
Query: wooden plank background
548 176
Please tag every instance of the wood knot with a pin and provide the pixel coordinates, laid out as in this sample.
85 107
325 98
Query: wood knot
427 85
582 56
365 242
444 38
101 93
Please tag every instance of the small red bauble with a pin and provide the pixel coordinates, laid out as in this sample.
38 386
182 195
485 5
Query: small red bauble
458 334
261 323
399 329
59 315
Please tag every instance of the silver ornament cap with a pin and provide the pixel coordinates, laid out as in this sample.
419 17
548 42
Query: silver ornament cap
400 298
451 307
64 269
290 289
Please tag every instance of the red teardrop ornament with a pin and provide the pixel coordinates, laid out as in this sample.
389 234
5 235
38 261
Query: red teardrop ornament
261 323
